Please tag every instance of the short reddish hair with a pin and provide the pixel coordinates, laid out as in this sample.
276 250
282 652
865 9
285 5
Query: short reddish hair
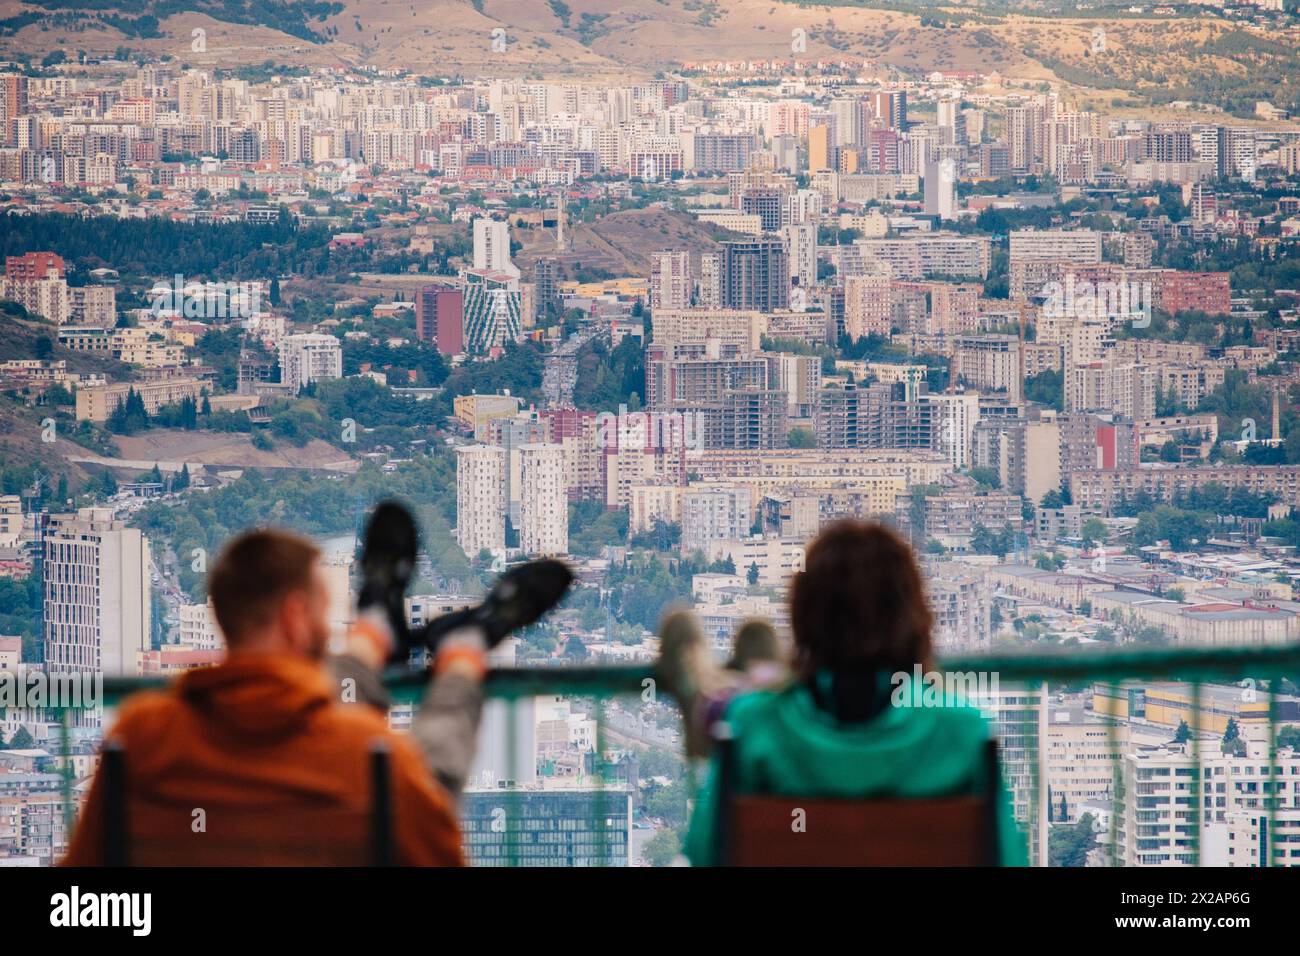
860 602
255 572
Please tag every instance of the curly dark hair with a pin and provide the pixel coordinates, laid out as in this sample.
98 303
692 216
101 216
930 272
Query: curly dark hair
860 603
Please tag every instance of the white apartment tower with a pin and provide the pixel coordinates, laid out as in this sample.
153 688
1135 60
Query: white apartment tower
97 610
1161 824
868 307
940 189
710 292
670 280
11 520
1082 246
492 246
955 418
715 514
309 357
480 499
199 627
1021 137
543 500
801 252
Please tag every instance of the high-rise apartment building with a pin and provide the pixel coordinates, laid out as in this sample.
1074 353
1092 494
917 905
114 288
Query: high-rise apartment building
819 148
1139 249
949 115
309 357
546 277
670 280
198 627
492 246
493 310
480 499
37 280
755 275
867 306
723 152
1179 808
543 500
551 823
1060 248
953 424
1074 245
989 362
941 189
768 203
801 252
440 317
709 295
13 102
1238 152
511 433
97 608
92 305
1021 136
35 265
1168 144
715 514
685 382
890 107
748 418
851 119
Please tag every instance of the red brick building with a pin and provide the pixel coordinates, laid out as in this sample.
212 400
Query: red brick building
1207 292
33 266
440 317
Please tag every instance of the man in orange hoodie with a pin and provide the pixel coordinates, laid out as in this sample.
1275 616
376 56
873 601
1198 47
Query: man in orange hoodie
267 737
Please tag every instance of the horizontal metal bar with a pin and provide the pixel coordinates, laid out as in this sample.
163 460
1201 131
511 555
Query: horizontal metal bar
1186 664
1181 664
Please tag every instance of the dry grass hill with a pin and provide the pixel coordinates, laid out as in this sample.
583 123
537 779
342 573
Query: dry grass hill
592 39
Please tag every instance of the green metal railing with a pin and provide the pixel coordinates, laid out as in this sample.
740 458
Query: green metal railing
1265 666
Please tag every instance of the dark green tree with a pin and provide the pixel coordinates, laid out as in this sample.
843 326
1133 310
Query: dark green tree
1070 845
662 848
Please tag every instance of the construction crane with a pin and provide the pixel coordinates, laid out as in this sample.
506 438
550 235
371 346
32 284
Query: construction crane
1019 389
32 502
560 214
32 496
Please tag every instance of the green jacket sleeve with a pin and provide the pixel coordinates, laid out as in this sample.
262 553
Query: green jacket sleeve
701 838
1011 841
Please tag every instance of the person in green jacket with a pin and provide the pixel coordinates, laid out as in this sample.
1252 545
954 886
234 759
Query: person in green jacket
846 722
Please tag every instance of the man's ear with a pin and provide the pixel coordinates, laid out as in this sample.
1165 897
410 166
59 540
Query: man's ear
293 614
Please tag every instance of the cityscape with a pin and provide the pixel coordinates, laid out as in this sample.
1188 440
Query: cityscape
668 322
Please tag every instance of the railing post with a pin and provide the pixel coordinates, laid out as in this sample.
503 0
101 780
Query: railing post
724 740
1040 767
1198 819
602 811
381 805
115 821
65 784
1112 692
1274 797
512 784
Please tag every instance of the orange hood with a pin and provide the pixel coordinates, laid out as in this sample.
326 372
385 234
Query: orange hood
260 697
